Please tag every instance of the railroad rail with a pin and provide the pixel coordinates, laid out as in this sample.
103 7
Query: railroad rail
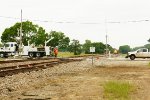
12 67
23 60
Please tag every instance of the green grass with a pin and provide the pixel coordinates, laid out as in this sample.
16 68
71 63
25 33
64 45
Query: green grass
123 55
149 64
65 54
117 90
2 59
69 54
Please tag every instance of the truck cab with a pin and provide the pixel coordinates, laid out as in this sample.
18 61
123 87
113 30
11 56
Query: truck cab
8 48
140 53
12 48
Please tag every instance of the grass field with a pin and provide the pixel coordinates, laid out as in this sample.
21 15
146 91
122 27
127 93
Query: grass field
65 54
117 90
70 54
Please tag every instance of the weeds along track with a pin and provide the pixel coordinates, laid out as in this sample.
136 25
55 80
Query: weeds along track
12 67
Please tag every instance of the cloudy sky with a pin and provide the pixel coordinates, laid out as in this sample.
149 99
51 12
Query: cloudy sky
124 21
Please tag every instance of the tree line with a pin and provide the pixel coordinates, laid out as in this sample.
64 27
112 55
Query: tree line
126 48
37 35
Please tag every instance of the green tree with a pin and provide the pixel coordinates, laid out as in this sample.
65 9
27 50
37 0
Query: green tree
75 47
124 49
148 40
86 46
30 32
99 47
40 37
147 46
59 39
111 49
135 48
1 45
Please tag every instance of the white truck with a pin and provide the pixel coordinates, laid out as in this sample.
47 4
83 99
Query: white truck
12 48
140 53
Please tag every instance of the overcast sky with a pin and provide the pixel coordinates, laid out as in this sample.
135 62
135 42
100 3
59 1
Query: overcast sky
126 21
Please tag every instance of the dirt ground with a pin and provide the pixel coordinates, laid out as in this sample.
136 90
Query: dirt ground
78 80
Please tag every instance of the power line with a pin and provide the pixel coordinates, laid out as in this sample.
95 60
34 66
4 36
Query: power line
72 22
9 17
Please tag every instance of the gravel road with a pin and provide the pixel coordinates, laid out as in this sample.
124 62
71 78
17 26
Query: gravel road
77 80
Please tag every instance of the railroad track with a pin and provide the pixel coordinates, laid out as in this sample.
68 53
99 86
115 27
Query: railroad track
23 60
12 67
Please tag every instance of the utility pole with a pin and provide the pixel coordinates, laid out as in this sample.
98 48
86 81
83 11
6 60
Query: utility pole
106 44
20 44
106 37
21 31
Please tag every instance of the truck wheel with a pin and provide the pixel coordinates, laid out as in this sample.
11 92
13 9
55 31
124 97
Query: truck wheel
132 57
31 54
2 55
38 54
